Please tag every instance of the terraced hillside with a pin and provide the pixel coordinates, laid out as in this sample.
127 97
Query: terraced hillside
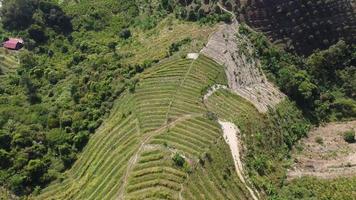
8 61
130 157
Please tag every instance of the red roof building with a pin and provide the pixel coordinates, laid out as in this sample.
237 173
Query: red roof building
13 43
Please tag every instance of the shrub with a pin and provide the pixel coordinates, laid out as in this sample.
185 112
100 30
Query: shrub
319 140
4 159
349 136
178 160
125 33
5 141
81 140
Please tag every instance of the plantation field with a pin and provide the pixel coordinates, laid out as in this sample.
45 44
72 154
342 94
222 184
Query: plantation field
154 44
130 156
8 61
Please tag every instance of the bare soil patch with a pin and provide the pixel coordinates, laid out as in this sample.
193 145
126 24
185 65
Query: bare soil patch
230 132
245 77
325 153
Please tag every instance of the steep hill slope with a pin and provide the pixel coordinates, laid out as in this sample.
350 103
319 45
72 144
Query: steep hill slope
302 26
244 73
8 61
168 115
208 126
130 156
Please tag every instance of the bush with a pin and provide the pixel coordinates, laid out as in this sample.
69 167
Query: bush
125 33
349 136
5 141
178 160
4 159
319 140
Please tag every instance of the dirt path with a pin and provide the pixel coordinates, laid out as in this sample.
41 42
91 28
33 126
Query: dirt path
325 154
230 131
243 71
226 10
212 90
177 89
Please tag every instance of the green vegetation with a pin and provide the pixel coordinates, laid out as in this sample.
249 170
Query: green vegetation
319 140
145 131
204 12
320 84
89 64
268 138
8 62
349 136
71 72
178 160
313 188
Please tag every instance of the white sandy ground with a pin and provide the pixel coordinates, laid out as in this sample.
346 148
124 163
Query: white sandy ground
230 131
213 89
192 56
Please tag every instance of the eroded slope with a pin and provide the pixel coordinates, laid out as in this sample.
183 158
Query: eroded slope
245 77
325 154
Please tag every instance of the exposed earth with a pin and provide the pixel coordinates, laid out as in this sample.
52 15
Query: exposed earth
243 71
230 131
325 154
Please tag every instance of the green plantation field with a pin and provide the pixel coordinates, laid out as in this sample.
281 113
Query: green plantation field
8 61
130 156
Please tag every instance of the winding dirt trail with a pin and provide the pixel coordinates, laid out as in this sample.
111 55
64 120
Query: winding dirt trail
231 131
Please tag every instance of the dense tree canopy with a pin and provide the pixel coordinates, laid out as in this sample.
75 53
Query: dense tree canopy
323 84
17 14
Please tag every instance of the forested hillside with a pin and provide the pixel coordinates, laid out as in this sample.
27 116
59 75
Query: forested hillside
299 25
103 102
70 73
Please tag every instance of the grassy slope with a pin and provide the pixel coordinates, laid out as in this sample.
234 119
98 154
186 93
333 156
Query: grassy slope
130 155
153 44
265 136
313 188
8 61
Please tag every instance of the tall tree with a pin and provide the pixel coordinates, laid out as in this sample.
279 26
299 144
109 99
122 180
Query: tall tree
17 14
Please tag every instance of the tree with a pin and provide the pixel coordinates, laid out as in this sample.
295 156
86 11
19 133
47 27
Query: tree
80 140
125 33
4 159
17 14
37 33
5 141
35 170
55 17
